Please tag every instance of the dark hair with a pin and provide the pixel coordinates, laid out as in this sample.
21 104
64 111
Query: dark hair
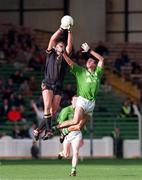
86 56
61 41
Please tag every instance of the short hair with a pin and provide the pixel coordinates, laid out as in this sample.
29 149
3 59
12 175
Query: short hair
86 56
63 38
61 41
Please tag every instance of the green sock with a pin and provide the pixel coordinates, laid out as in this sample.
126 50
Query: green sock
65 131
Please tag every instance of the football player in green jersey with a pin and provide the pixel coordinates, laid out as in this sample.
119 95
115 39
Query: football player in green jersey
73 139
88 82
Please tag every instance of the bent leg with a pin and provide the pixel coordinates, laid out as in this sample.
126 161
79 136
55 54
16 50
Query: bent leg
66 149
78 115
47 100
81 124
75 150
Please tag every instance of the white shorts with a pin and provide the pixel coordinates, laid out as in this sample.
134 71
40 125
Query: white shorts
74 136
86 105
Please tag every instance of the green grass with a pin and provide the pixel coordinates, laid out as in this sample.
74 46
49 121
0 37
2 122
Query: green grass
95 169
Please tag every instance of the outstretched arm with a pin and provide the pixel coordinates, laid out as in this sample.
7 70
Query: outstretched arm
53 39
69 42
86 48
99 57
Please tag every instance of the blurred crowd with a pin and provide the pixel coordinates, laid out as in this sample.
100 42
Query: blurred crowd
20 48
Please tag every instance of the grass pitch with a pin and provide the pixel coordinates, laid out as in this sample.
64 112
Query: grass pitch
95 169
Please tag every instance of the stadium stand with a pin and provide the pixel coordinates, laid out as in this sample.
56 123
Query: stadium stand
130 76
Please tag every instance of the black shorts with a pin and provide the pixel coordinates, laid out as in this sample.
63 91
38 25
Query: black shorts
55 87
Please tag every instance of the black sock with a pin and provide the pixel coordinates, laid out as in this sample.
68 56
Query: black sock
42 125
48 120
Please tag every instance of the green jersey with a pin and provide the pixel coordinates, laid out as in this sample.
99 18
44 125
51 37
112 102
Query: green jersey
66 114
87 82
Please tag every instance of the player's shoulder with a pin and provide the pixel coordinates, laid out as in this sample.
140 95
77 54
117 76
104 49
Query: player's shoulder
99 72
77 66
99 69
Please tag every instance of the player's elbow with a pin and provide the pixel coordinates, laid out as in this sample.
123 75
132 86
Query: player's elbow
101 59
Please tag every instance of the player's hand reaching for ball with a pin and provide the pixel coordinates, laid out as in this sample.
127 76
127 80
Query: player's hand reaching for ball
85 47
65 27
66 22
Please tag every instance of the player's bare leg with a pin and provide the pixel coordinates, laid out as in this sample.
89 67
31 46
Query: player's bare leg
75 152
55 104
66 150
80 125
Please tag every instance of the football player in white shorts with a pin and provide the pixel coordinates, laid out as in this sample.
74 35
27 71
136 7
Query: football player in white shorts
73 139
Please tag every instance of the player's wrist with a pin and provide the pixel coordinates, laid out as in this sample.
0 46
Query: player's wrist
61 29
69 31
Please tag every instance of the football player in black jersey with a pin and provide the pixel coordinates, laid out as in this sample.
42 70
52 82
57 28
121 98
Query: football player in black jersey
52 84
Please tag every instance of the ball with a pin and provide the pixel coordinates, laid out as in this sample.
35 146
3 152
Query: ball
67 21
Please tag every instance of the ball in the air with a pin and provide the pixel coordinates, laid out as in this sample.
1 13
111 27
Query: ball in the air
67 21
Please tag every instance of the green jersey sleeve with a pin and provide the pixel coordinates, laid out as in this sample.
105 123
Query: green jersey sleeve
76 69
99 71
63 115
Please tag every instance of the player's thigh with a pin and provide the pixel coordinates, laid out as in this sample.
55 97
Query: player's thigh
47 97
78 115
66 148
77 127
83 121
55 103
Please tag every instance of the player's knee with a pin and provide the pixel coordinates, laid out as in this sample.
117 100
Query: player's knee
79 127
75 153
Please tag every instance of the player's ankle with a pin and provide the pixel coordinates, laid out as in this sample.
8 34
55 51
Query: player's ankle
36 132
73 168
